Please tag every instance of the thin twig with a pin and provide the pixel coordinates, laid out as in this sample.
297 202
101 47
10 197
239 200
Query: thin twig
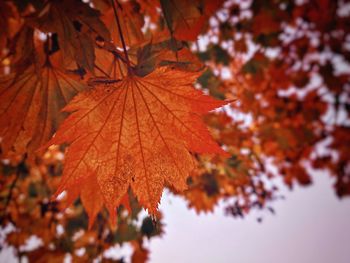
114 53
121 35
9 195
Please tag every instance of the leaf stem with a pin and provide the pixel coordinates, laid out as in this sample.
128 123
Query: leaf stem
121 35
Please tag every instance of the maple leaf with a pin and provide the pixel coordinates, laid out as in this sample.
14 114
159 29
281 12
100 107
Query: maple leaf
30 105
136 133
75 24
131 22
186 19
152 56
145 59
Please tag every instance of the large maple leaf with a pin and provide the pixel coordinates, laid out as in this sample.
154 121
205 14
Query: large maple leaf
138 133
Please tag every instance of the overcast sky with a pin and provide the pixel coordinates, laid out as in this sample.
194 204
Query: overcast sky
311 225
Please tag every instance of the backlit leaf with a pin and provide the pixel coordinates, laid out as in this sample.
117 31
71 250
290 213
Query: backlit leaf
136 133
30 106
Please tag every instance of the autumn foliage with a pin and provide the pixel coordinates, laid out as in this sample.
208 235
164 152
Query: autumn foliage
105 104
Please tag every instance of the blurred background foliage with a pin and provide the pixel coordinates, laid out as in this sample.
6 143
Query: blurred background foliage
284 64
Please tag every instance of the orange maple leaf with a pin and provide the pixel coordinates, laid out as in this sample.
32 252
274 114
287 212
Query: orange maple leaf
136 133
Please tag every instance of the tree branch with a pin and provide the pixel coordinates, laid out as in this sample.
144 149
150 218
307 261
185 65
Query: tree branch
121 35
9 195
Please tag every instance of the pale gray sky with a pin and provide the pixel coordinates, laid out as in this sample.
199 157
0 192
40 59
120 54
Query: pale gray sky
311 225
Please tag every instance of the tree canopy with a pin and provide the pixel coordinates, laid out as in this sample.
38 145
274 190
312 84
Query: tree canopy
104 104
